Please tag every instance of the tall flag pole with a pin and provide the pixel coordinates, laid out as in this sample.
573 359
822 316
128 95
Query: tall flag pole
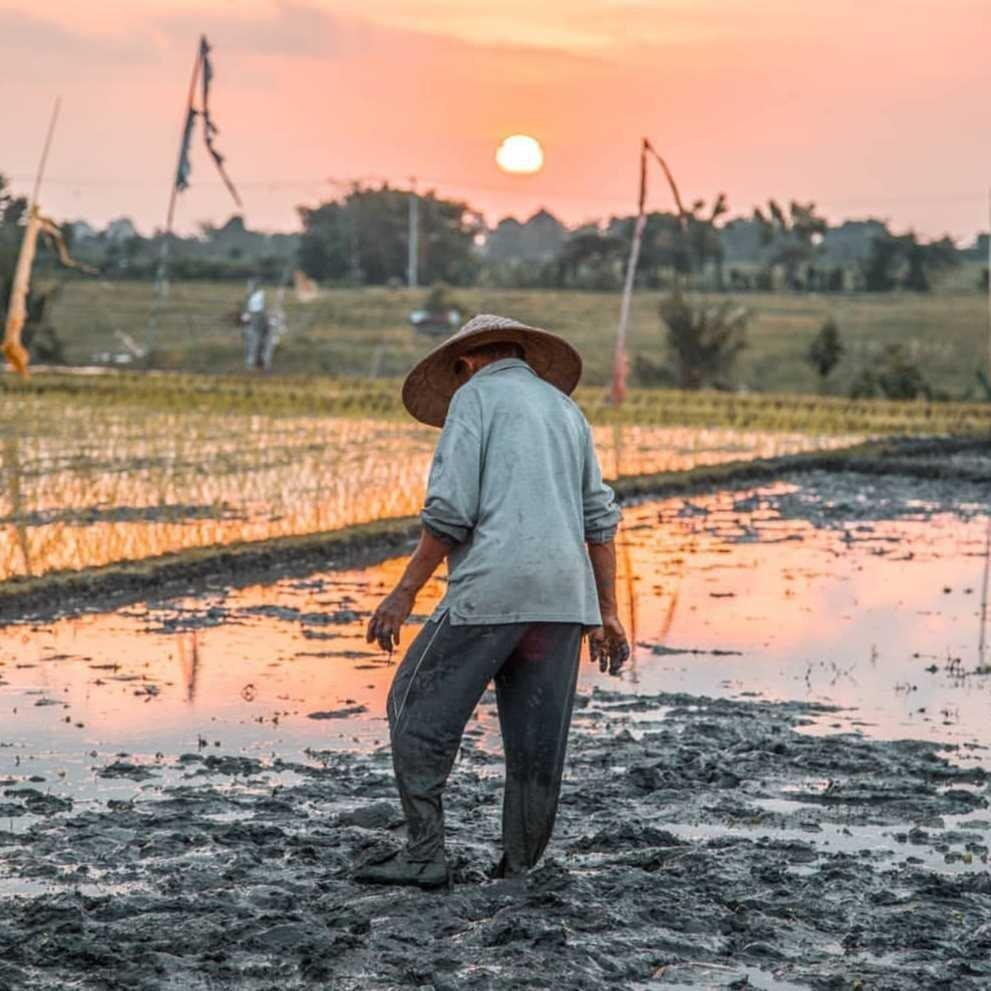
620 363
203 74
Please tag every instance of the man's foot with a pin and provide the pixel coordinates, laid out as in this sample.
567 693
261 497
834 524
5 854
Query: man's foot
397 868
502 871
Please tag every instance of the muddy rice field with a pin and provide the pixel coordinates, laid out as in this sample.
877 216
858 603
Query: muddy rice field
787 788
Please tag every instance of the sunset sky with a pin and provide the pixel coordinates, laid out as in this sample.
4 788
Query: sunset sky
876 108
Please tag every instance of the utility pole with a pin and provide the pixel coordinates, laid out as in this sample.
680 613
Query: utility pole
414 235
354 259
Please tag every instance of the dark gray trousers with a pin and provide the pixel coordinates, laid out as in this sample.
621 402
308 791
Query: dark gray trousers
436 688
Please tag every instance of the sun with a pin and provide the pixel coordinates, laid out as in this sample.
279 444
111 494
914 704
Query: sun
521 154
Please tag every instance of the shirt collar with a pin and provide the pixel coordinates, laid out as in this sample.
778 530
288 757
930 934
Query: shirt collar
501 365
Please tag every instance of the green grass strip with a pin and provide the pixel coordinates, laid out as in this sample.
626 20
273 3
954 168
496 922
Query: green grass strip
379 398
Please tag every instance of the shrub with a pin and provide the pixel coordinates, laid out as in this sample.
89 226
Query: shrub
703 340
826 349
896 376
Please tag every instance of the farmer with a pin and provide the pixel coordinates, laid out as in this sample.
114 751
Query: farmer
514 498
254 320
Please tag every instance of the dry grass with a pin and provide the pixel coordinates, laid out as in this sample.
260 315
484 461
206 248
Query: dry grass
350 331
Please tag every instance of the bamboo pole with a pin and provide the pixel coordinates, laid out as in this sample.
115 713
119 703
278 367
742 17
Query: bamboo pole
36 192
620 365
618 392
13 350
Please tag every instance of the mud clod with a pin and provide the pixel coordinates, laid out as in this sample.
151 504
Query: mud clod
663 870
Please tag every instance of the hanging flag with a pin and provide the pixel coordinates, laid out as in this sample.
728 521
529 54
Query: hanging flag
185 167
17 306
202 70
201 67
210 130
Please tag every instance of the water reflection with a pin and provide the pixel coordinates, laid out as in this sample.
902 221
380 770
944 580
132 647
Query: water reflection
982 640
735 594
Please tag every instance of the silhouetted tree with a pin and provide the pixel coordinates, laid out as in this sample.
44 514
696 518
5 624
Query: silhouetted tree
901 261
791 239
683 246
591 259
539 239
364 237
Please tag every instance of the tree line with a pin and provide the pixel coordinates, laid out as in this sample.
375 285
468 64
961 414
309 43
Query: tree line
362 238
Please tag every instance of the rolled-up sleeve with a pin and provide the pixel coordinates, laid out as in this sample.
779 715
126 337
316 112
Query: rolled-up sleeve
451 506
600 510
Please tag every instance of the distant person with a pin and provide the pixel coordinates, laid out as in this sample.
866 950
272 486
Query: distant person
516 503
259 338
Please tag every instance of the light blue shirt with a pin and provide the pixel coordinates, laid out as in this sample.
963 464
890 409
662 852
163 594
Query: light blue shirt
515 484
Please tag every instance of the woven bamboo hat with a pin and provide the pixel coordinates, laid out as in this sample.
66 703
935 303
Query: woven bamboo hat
429 387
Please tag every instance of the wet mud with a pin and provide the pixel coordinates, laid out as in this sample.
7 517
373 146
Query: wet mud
185 784
701 843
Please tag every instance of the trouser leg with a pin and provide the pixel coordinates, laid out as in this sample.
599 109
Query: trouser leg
536 693
273 331
258 330
266 350
249 345
434 693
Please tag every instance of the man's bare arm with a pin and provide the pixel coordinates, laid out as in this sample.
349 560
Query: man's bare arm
394 609
607 645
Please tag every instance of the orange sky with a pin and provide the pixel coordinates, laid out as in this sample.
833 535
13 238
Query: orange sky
868 108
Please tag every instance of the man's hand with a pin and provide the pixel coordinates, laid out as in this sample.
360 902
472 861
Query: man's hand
395 608
386 621
608 646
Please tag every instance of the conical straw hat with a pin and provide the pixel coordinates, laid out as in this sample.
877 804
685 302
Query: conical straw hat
429 387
